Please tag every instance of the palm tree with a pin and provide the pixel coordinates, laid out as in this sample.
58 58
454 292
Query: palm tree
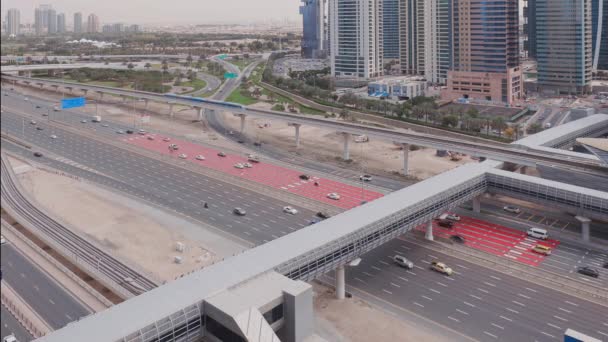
148 66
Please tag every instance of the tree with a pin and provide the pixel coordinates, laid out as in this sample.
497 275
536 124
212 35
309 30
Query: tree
449 121
130 66
534 128
344 114
510 132
498 123
148 66
189 59
473 112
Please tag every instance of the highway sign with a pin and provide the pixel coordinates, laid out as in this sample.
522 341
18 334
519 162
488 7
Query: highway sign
73 102
222 56
230 75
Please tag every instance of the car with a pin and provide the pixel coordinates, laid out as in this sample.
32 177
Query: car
33 122
304 177
511 209
37 106
39 128
588 271
542 249
605 265
253 158
173 147
150 137
457 238
221 154
240 141
53 136
365 178
538 233
183 156
120 131
85 121
105 125
441 268
247 165
10 338
290 210
5 94
37 154
230 132
239 211
2 240
449 216
334 196
239 166
200 157
45 114
323 215
129 131
445 223
257 143
141 131
403 262
56 109
166 139
25 99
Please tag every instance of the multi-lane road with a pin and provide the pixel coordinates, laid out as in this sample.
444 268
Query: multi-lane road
10 325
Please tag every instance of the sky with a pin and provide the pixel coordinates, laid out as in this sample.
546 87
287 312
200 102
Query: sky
166 11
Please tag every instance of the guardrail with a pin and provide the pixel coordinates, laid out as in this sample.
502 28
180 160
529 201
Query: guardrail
16 311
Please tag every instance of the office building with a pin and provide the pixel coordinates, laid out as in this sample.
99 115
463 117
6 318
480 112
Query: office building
599 40
530 28
39 21
13 22
61 27
402 88
563 46
411 36
390 26
78 22
486 66
313 20
356 38
51 21
92 23
437 40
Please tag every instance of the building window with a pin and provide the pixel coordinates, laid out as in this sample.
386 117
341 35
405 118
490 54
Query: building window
274 314
221 332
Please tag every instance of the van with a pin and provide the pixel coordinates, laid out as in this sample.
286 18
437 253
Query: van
403 262
538 233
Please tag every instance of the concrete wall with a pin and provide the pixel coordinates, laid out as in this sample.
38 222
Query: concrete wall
298 315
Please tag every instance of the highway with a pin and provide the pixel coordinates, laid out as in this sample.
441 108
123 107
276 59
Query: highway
44 295
478 302
10 325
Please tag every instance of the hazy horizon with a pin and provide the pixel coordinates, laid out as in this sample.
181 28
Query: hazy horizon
164 12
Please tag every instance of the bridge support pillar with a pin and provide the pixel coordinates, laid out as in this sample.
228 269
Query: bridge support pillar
340 283
124 98
346 153
85 91
584 227
477 204
200 114
297 128
429 231
171 109
146 104
242 123
406 157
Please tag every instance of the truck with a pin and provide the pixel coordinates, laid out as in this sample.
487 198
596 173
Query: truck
96 118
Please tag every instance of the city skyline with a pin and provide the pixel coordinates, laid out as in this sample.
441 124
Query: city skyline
190 12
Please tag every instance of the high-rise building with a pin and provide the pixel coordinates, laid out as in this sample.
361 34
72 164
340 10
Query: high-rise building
356 38
599 18
78 22
563 46
92 23
51 21
39 21
313 20
390 27
438 40
13 22
486 65
411 36
530 28
61 23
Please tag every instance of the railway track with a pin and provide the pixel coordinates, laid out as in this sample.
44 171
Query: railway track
131 281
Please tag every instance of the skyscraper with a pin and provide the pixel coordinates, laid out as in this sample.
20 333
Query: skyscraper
486 52
13 22
599 40
313 20
61 23
39 21
77 22
390 25
51 21
411 36
356 38
530 28
92 23
438 40
563 46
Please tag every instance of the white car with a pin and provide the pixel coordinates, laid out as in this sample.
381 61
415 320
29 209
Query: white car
247 165
2 240
183 156
511 209
120 131
290 210
56 109
53 136
200 157
166 139
239 166
365 178
10 338
450 216
141 131
333 196
32 122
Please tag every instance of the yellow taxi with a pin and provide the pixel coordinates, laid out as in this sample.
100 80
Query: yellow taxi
541 249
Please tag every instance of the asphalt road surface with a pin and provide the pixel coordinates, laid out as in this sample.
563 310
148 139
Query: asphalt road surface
476 301
43 294
10 325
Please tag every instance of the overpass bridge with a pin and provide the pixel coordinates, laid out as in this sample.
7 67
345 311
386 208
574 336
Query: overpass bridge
518 154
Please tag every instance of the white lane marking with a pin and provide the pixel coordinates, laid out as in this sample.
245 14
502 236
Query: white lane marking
495 278
428 298
498 326
560 318
395 285
442 284
420 305
554 326
518 303
466 268
383 262
506 318
367 274
424 261
523 295
50 300
474 296
377 268
602 333
513 311
68 317
435 291
404 279
531 290
405 247
418 267
453 319
489 284
564 310
432 256
482 290
574 304
462 312
387 291
360 280
410 272
544 333
469 304
37 288
489 334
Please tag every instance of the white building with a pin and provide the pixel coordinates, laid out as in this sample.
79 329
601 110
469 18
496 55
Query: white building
92 23
13 22
402 88
356 38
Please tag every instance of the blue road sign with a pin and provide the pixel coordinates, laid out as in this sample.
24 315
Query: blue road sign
73 102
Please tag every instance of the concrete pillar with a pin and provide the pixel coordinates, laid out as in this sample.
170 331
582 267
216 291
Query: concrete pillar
146 104
200 114
429 231
85 91
171 109
124 98
346 154
477 204
100 96
523 169
297 127
242 122
340 283
406 156
584 227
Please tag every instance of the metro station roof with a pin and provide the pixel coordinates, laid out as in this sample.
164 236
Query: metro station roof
547 137
597 146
